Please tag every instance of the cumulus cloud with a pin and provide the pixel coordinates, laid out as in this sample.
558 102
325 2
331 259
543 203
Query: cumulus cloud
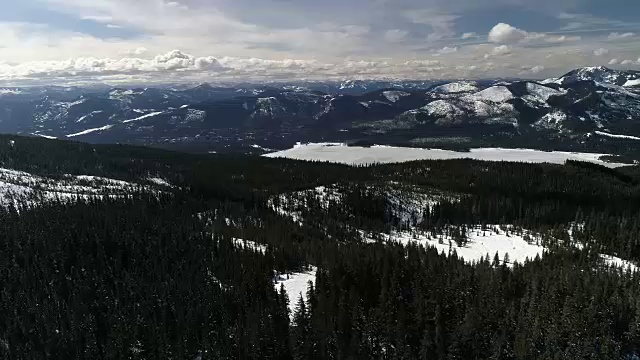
614 62
504 33
600 52
498 51
626 62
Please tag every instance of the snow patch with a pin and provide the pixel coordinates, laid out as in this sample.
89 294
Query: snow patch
159 181
352 155
481 244
456 87
89 131
143 117
394 96
495 94
543 92
295 284
250 245
44 136
602 133
635 82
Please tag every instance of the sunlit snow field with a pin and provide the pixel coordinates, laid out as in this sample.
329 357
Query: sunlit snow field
379 154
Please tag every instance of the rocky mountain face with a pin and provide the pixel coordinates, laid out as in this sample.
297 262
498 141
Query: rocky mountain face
584 106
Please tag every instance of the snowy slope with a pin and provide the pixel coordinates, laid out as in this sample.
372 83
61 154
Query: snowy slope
17 187
295 284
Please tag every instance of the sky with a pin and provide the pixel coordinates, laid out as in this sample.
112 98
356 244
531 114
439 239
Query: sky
164 41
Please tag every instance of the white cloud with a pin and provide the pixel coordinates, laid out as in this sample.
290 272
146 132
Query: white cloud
614 62
135 52
498 51
626 62
446 50
561 38
468 35
600 52
536 69
505 33
620 36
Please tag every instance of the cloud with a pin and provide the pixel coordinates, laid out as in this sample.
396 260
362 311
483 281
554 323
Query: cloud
446 50
504 33
498 51
395 35
620 36
536 69
614 62
561 38
135 52
468 35
626 62
600 52
442 24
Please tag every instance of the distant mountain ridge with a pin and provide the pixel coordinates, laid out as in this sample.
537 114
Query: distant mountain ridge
585 106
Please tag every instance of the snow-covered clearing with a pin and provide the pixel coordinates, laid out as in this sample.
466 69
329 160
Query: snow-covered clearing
295 284
602 133
480 244
485 244
352 155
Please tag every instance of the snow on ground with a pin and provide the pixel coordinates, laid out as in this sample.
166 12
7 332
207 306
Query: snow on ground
295 284
88 131
143 117
481 244
619 263
442 108
553 120
10 92
44 136
159 181
394 96
17 187
82 118
250 245
256 146
495 94
635 82
602 133
543 92
456 87
352 155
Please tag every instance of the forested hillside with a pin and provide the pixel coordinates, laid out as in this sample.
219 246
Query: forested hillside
164 274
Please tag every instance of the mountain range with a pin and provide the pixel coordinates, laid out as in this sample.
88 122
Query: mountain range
588 108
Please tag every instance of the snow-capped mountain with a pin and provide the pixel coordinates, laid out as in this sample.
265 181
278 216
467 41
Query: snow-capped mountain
583 105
